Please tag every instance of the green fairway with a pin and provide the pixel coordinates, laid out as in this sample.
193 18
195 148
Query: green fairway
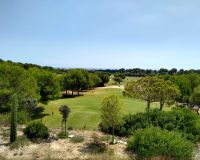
85 110
127 79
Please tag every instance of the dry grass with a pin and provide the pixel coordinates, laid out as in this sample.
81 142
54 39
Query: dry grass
104 156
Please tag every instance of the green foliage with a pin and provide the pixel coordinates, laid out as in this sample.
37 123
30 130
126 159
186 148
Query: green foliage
48 83
63 135
152 88
119 77
64 111
77 139
142 89
104 77
153 142
187 84
5 118
79 79
195 97
183 120
110 112
14 79
165 91
23 117
13 119
4 100
36 130
75 80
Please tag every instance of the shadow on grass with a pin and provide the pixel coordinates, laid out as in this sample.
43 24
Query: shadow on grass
71 96
94 148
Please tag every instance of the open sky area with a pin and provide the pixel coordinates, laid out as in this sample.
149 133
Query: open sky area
101 33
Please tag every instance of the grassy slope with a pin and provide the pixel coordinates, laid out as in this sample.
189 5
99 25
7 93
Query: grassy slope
85 110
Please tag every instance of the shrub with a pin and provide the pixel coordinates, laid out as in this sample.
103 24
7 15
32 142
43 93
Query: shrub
182 120
4 118
154 142
63 135
77 139
96 146
36 130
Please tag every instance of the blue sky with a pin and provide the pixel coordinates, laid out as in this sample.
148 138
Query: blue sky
101 33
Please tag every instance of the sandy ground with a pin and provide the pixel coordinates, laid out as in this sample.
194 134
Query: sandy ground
58 149
112 86
63 149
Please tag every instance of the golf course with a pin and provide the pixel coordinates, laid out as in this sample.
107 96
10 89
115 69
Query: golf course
85 109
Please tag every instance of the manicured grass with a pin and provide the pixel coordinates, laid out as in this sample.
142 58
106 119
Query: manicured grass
127 79
85 110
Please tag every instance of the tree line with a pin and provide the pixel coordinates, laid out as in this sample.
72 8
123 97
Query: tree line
138 72
35 84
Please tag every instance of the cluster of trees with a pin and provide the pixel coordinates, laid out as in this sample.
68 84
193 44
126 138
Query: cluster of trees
22 86
39 84
78 80
153 132
188 85
138 72
183 89
152 89
119 77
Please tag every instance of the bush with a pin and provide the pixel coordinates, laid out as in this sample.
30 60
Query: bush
36 130
154 142
77 139
63 135
4 118
182 120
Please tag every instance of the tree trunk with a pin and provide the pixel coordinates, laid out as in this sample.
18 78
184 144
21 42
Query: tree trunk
148 104
72 93
113 138
62 126
107 135
65 127
161 106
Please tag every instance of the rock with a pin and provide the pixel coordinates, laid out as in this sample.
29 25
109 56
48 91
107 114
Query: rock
122 142
71 136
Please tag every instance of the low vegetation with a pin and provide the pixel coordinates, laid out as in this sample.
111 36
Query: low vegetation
155 142
110 113
77 139
182 120
63 135
36 130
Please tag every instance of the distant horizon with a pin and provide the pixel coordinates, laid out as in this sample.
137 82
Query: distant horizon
95 68
101 34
